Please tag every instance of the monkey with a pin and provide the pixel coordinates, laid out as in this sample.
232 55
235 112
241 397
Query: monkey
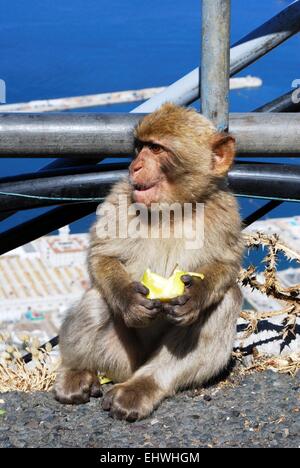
151 349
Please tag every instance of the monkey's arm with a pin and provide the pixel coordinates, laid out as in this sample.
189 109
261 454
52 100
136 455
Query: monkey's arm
201 294
218 278
110 278
125 297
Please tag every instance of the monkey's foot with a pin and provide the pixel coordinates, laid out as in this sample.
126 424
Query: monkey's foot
76 387
132 400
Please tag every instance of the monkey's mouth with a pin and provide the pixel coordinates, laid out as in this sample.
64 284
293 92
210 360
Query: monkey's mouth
143 193
143 187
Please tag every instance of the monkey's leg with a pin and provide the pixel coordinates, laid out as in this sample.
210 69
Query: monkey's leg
187 356
90 340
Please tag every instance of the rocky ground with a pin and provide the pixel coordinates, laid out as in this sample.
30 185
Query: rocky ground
259 410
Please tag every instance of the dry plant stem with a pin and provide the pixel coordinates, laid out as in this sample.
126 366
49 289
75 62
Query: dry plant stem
260 239
271 287
15 375
274 246
288 365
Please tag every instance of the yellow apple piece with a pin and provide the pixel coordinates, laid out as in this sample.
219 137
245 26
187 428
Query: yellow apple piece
104 380
166 288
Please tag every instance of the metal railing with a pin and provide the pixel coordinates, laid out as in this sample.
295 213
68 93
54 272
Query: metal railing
81 141
85 135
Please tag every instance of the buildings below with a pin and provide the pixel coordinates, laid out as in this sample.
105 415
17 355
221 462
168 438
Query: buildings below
39 282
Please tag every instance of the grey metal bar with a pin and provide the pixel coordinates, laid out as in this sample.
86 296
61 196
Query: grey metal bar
266 133
69 134
246 51
215 68
282 104
260 212
277 181
265 180
79 135
272 33
58 190
285 103
43 224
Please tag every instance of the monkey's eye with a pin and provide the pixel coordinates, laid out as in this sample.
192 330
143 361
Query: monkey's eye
155 148
138 147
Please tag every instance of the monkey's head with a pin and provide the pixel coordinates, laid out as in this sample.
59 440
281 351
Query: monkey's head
179 156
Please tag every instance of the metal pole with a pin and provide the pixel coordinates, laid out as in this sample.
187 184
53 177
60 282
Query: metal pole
90 135
215 68
59 172
57 190
266 133
53 342
44 224
71 134
285 103
278 181
262 180
260 212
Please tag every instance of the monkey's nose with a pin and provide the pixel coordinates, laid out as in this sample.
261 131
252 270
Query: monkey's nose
136 168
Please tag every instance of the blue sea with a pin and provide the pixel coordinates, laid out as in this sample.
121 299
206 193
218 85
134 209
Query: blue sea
67 48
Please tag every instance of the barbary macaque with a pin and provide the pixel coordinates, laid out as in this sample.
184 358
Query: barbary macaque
153 348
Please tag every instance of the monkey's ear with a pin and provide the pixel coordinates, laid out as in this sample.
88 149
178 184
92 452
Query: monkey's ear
223 147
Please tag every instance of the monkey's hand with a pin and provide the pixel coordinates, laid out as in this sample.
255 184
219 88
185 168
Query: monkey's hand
184 310
137 310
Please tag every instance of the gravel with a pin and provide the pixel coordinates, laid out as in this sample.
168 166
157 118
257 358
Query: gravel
260 410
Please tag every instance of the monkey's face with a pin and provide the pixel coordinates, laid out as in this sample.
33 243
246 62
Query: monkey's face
179 157
149 181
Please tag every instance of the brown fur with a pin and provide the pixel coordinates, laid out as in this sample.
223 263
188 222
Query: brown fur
131 400
153 348
76 387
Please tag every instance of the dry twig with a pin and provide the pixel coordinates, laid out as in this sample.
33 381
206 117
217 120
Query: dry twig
15 375
288 297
